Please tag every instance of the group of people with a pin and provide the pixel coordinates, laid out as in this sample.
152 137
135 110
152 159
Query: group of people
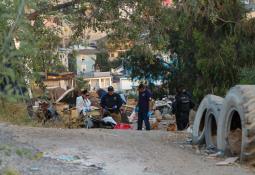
111 103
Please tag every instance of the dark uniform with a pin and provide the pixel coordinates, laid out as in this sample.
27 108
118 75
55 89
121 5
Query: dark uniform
181 109
112 103
143 105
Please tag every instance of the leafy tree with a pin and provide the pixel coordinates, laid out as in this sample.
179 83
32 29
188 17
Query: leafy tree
72 65
81 83
213 39
102 61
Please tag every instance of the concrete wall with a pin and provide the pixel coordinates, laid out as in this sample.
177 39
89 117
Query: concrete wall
85 63
100 82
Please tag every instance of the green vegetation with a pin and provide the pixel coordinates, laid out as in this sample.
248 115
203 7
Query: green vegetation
102 61
10 171
214 40
81 83
15 113
24 153
6 149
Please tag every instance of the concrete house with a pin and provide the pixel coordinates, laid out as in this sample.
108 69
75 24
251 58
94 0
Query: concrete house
98 79
85 60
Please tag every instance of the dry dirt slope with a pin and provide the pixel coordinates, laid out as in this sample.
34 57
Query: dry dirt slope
101 152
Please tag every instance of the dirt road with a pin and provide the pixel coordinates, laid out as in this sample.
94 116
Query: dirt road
41 151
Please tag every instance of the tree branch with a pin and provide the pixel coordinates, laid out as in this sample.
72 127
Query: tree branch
34 15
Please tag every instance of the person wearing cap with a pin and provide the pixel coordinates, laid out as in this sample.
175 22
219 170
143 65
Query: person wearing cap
145 97
112 102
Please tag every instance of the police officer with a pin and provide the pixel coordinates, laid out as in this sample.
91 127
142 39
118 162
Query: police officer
143 107
112 102
181 108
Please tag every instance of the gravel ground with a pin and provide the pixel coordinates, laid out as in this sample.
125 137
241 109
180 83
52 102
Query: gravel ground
40 151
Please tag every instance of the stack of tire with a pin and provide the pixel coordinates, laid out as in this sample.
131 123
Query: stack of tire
228 124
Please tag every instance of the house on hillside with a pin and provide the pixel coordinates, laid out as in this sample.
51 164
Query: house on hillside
64 80
121 80
86 59
98 80
249 4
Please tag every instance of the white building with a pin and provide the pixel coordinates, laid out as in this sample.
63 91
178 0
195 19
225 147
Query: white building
98 80
85 60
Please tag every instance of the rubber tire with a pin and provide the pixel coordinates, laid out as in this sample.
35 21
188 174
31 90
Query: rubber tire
197 137
212 112
240 98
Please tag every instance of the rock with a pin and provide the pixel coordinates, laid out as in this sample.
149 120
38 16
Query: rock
228 161
172 127
168 117
192 115
158 115
154 125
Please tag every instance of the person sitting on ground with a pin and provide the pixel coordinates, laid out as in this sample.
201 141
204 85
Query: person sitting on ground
83 104
112 102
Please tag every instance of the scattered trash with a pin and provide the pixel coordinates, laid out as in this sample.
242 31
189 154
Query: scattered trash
154 125
109 120
182 146
189 130
228 161
68 158
214 155
34 169
189 141
95 166
172 127
123 126
168 117
197 149
133 116
158 115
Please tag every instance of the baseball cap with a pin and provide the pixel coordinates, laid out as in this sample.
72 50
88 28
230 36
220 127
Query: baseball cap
110 89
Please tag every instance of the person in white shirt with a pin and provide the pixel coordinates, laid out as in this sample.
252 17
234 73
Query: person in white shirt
83 104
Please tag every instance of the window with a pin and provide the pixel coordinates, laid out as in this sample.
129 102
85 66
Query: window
83 67
112 55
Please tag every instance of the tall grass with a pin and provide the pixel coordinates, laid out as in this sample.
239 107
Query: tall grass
15 113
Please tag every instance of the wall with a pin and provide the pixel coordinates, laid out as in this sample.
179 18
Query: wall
100 82
63 57
85 63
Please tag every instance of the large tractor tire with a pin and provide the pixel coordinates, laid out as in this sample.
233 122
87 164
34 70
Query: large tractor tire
236 126
211 123
198 132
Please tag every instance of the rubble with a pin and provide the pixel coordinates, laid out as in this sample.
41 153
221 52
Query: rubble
235 141
228 161
172 127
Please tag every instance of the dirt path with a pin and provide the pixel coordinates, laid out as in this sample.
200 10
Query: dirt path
109 152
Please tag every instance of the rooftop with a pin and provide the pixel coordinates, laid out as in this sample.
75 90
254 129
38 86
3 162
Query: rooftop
96 74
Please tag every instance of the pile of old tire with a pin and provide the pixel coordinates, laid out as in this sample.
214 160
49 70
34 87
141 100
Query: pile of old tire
207 112
228 124
211 122
236 125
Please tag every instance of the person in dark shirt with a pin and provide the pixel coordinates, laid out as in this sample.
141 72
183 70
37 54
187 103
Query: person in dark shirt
181 108
112 102
143 107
